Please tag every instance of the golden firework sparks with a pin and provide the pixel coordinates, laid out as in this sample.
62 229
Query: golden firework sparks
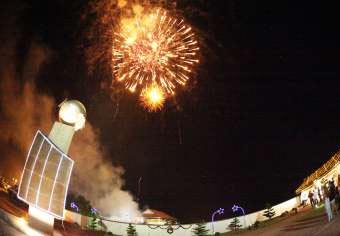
152 97
153 48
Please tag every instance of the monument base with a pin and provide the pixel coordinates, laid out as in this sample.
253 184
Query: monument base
40 220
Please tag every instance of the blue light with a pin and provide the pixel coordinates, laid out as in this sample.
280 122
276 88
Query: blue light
235 208
94 211
220 211
74 206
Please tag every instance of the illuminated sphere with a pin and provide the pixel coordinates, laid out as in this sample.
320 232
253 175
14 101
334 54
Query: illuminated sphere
73 113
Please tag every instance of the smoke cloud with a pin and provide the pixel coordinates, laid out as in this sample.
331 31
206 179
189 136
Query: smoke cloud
24 110
101 180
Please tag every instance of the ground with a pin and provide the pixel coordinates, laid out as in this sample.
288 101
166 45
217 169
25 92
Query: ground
309 222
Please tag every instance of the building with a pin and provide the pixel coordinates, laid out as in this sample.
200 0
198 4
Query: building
155 217
328 171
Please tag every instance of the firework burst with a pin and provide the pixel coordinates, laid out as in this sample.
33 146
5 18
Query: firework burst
152 98
152 50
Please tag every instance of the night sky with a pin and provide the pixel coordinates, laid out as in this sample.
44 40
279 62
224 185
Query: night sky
262 113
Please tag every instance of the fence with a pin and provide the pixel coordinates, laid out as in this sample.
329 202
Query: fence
119 228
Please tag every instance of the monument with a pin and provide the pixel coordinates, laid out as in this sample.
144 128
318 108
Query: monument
47 171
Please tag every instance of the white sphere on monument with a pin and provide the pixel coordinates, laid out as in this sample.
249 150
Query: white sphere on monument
73 113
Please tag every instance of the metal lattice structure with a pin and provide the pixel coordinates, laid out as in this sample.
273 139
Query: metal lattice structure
319 173
46 176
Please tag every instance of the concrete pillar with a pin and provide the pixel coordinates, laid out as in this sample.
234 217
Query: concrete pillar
61 135
40 220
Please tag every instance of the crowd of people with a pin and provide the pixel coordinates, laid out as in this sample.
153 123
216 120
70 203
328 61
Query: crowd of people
328 194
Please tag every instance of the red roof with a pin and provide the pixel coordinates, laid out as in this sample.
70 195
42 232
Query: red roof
151 213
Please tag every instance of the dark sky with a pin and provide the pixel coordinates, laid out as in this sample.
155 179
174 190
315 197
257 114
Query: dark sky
264 111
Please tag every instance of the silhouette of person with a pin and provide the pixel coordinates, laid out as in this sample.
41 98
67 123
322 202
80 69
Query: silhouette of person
326 194
310 196
332 195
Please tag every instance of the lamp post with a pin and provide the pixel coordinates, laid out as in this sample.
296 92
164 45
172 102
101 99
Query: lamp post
235 208
220 211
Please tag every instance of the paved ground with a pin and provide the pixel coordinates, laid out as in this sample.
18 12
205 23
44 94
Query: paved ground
15 223
8 230
18 210
311 222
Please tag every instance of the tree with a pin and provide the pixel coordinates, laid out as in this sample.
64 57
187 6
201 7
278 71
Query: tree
200 230
93 223
269 212
256 225
131 230
235 224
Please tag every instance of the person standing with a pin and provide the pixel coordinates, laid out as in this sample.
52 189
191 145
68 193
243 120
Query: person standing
332 194
315 197
326 194
319 194
310 196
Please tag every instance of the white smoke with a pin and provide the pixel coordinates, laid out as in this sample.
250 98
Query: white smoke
96 178
23 110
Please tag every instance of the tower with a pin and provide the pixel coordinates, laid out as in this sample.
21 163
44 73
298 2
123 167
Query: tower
47 171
